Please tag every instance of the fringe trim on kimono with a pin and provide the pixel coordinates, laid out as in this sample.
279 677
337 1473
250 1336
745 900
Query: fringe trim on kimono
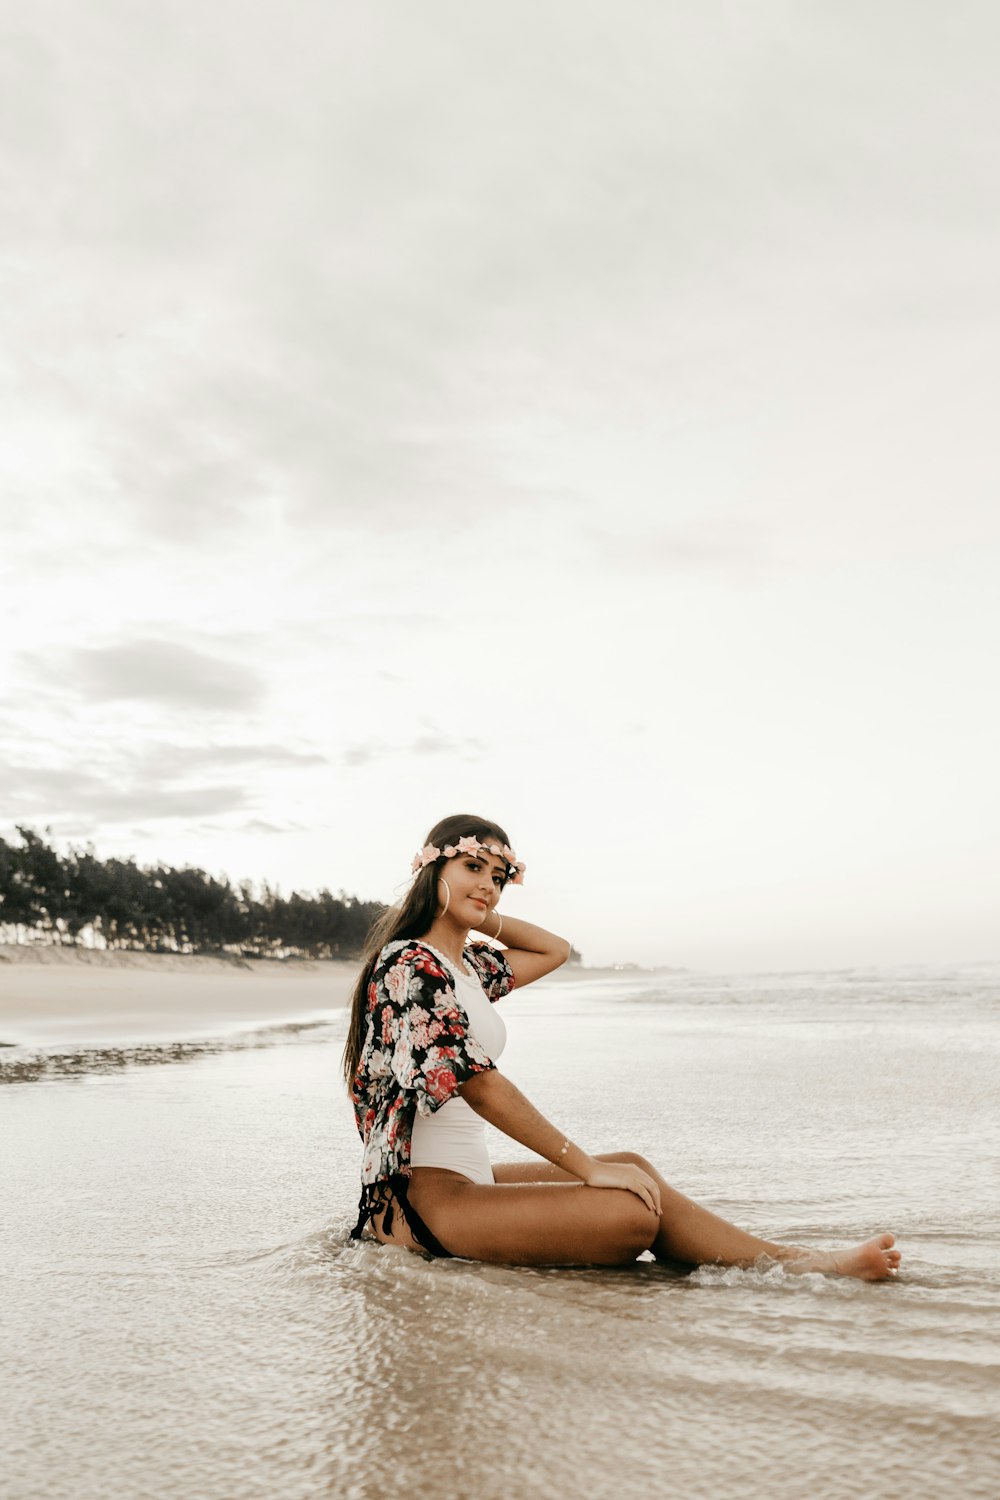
389 1194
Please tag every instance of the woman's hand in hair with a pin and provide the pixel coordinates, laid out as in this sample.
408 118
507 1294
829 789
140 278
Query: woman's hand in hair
531 951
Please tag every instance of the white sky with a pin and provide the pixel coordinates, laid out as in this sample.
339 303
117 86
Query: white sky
578 414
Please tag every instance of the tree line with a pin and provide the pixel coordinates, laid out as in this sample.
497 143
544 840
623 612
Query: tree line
76 898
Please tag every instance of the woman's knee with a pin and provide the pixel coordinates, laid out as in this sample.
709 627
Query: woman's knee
638 1226
632 1159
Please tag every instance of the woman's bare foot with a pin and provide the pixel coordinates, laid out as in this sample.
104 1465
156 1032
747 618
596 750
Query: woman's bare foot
874 1260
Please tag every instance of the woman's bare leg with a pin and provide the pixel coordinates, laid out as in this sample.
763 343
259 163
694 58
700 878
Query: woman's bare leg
532 1223
691 1235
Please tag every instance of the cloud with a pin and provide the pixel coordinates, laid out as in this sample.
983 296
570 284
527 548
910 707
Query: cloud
430 743
149 782
320 375
252 825
156 671
362 755
39 792
258 825
168 761
725 544
30 784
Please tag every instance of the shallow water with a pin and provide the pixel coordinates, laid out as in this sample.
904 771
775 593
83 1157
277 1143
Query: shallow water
184 1315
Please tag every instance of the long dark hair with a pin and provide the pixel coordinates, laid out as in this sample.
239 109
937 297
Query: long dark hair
411 919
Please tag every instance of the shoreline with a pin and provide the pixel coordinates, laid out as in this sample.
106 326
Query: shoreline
72 998
67 998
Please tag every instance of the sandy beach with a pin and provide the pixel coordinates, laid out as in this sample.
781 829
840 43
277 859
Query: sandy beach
78 997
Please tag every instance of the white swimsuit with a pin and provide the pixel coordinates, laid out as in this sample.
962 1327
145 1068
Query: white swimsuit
454 1136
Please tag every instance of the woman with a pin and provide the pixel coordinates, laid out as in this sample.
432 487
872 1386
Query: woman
420 1061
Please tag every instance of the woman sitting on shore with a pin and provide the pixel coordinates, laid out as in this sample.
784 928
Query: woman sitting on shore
420 1061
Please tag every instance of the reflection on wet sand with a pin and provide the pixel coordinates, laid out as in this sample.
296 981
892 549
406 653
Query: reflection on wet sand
31 1065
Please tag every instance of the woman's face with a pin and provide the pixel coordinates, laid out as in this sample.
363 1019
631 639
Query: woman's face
475 882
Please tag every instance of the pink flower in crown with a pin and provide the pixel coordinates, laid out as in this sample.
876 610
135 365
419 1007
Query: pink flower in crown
427 856
508 854
449 851
469 846
518 879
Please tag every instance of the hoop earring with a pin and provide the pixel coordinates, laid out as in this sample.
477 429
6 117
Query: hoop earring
447 899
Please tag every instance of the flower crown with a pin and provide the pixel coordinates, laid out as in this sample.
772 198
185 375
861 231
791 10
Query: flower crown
429 853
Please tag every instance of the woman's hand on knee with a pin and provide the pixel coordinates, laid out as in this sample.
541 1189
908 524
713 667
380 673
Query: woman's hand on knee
614 1174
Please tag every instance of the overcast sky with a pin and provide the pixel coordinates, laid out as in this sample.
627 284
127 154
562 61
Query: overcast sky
582 415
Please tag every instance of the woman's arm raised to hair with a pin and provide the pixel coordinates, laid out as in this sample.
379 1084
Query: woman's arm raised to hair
530 951
501 1102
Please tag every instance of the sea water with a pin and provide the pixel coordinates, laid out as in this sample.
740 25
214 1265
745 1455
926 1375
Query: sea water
183 1315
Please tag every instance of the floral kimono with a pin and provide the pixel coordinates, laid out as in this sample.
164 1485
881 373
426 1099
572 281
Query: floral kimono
416 1054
